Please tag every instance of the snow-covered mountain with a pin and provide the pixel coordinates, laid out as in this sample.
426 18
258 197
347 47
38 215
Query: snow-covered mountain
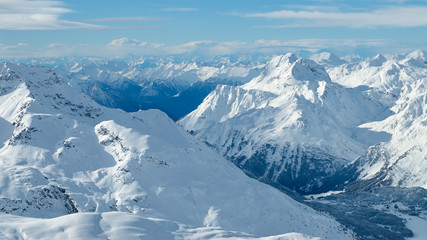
401 83
291 124
124 175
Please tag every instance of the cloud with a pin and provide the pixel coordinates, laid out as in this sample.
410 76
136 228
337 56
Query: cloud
126 42
132 46
124 47
13 47
113 28
46 15
127 19
179 9
412 16
35 15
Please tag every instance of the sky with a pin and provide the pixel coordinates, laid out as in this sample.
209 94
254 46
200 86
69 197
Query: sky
109 28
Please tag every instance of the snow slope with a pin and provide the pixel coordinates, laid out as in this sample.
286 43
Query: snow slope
291 124
62 153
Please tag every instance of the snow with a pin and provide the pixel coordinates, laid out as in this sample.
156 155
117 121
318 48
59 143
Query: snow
418 226
211 219
124 172
117 225
322 195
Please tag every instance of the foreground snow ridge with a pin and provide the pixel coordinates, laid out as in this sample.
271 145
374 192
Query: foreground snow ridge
71 169
118 225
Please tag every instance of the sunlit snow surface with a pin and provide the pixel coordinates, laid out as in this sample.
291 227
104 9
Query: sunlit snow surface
118 225
62 153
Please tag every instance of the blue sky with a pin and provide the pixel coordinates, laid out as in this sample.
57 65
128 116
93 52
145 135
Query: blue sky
116 28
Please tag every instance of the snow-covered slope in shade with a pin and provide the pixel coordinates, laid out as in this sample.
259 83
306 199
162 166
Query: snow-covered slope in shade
62 153
402 161
290 124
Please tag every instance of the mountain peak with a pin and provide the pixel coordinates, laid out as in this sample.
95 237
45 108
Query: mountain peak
286 122
377 61
327 58
28 73
418 56
288 70
39 88
282 60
